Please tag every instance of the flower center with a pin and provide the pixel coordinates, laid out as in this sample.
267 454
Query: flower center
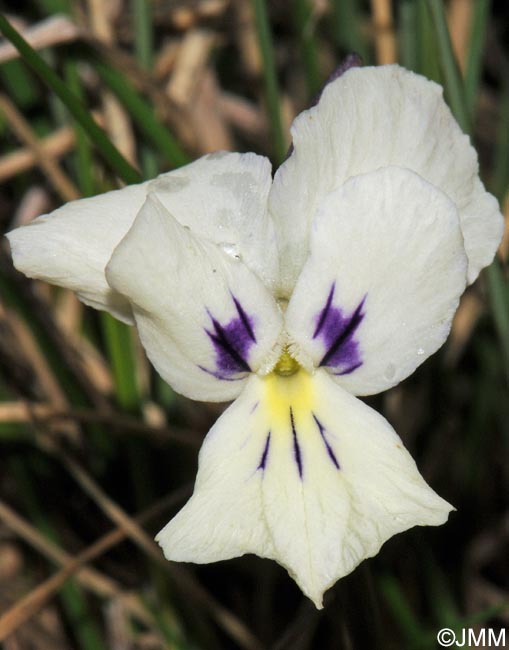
286 365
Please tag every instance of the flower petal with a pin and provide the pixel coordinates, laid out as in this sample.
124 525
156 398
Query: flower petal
382 283
71 246
223 197
302 472
371 118
205 320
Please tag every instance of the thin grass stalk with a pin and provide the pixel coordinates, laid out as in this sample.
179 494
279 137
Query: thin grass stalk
303 17
270 77
143 115
83 153
481 10
144 51
111 155
347 32
407 35
454 84
428 59
498 289
72 596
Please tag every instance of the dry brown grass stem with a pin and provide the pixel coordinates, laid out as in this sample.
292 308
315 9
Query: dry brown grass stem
54 146
384 35
52 31
93 580
459 19
60 181
183 580
42 414
117 122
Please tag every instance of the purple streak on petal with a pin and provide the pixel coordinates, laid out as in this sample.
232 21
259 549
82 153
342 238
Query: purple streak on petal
348 370
246 321
232 342
220 376
330 451
325 312
263 460
254 407
296 447
337 331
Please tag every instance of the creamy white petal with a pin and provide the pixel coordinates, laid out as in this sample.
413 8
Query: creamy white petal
371 118
223 197
380 288
204 318
302 472
71 246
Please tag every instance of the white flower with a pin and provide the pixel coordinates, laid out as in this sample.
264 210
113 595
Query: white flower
293 296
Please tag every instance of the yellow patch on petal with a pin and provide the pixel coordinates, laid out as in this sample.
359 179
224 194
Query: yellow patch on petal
285 392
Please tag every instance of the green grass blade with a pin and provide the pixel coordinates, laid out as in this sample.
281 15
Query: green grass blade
450 69
307 41
143 115
121 354
499 299
144 50
83 152
407 34
270 77
347 32
475 52
428 59
19 83
398 604
73 599
500 185
143 33
111 155
498 289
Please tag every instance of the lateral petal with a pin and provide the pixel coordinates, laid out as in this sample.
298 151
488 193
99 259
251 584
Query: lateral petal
222 197
205 320
378 293
370 118
71 246
300 471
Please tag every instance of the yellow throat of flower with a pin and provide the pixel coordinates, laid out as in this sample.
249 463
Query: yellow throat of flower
286 365
288 388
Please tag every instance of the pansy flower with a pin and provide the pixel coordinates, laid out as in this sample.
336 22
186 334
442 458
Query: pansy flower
293 296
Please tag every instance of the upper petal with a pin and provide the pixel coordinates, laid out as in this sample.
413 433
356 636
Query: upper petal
223 197
371 118
71 246
383 280
204 318
300 471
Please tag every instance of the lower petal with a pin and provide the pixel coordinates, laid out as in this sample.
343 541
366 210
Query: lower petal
300 471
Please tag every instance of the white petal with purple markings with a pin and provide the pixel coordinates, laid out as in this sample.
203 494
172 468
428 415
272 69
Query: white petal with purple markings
205 320
299 471
383 280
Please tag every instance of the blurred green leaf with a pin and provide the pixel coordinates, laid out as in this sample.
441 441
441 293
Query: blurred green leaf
112 156
481 10
270 77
